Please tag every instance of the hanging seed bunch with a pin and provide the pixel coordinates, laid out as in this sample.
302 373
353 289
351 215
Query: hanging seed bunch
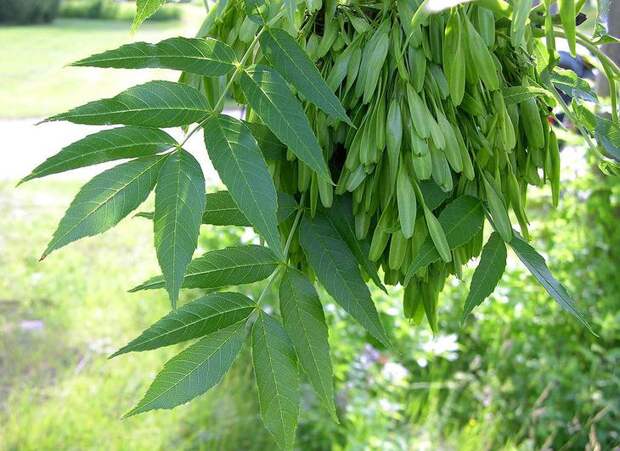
442 106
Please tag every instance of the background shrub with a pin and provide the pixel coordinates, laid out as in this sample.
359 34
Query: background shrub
113 10
28 11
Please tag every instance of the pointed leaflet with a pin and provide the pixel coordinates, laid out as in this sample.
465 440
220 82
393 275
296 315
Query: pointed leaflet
241 166
337 270
270 97
461 220
277 378
106 145
207 56
223 267
195 319
193 371
488 273
144 10
221 210
106 199
536 264
152 104
179 203
304 321
341 217
288 58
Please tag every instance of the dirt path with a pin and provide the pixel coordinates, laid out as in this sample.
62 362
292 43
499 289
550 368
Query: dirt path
26 145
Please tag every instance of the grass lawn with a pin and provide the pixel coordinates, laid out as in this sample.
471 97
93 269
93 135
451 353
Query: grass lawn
35 80
61 318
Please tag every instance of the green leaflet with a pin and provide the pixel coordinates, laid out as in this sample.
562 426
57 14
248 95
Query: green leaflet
341 218
277 378
268 94
144 10
608 135
193 371
152 104
241 166
207 56
221 210
105 200
288 58
223 267
106 145
195 319
570 84
179 203
336 269
461 219
304 321
488 273
536 264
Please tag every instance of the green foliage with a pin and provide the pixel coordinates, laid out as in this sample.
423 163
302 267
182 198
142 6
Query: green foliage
29 11
179 203
482 155
112 10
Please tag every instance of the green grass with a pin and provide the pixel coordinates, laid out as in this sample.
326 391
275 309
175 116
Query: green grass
34 75
58 390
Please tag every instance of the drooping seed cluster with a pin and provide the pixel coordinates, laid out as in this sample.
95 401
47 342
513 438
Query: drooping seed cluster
439 110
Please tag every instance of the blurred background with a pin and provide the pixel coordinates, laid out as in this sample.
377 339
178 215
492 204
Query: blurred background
518 374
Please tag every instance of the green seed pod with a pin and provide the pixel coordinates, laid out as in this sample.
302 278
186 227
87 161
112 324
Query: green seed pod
422 166
472 106
568 14
486 25
437 135
454 59
330 33
314 195
441 169
304 174
420 115
355 179
514 195
339 70
393 136
362 224
314 5
452 148
397 54
438 236
353 68
497 208
248 30
406 201
380 237
398 249
417 67
554 156
531 123
468 166
312 45
326 192
480 57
